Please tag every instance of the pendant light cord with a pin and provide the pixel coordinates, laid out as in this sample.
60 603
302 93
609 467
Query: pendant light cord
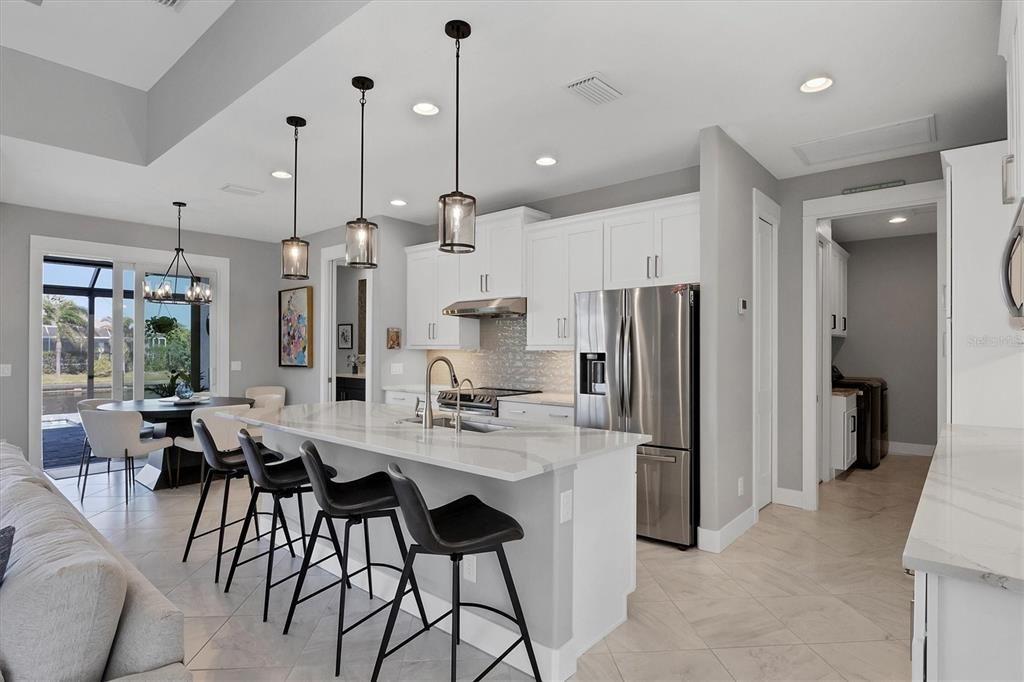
179 228
458 46
295 188
362 145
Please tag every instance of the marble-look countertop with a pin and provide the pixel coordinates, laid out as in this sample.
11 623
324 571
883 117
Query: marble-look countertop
416 388
559 399
969 522
521 452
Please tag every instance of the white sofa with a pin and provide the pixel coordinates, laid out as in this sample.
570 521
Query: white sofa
71 607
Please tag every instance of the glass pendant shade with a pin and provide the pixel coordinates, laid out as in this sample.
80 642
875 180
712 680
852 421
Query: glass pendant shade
456 223
294 258
361 243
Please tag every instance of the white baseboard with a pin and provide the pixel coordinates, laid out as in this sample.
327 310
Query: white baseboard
897 448
717 540
788 497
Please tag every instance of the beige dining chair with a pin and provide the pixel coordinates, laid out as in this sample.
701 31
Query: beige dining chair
267 397
147 431
115 435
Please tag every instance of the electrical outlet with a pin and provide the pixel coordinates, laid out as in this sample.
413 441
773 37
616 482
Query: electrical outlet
397 368
5 370
565 506
469 568
236 365
739 486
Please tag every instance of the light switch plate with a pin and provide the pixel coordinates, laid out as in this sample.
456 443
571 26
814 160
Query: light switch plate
742 306
236 365
397 368
565 506
5 370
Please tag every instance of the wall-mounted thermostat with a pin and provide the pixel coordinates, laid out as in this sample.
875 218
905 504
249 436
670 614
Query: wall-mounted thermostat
741 306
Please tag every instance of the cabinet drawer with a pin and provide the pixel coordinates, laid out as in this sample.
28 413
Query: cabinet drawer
535 412
404 398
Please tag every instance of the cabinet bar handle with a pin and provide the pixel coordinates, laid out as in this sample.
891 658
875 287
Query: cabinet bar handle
648 267
558 416
844 323
656 268
833 321
1007 197
853 423
487 282
481 284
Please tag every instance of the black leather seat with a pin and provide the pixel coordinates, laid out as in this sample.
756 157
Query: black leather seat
357 502
228 465
464 526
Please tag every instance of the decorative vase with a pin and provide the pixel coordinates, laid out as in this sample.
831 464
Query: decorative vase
183 390
355 368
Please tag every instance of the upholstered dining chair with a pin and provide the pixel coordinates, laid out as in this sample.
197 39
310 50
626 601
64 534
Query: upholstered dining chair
147 431
266 397
115 435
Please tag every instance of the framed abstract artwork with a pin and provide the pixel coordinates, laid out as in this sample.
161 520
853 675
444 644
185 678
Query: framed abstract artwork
295 327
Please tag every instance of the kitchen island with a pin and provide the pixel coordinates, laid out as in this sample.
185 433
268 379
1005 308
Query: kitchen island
573 490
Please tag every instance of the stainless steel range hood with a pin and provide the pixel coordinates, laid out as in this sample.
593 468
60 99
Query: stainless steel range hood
487 307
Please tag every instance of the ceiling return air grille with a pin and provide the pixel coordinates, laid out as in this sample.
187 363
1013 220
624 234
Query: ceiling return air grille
168 3
595 89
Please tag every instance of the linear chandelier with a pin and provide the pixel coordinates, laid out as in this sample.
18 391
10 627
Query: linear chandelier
197 293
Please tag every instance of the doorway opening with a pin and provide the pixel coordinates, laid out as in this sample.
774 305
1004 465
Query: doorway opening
346 307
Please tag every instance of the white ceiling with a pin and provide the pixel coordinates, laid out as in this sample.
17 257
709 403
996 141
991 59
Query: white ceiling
681 67
132 42
920 220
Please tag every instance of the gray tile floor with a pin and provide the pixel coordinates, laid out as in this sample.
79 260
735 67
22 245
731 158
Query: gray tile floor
802 595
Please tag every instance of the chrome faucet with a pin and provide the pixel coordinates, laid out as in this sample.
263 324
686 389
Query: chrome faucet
428 408
458 402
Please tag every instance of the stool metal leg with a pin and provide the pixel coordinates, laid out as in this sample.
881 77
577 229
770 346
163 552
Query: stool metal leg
400 538
456 565
223 521
284 525
366 544
199 512
302 573
393 615
344 589
302 523
344 551
249 514
255 519
270 559
517 609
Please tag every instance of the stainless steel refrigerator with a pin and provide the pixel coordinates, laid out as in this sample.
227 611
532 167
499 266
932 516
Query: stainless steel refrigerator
638 358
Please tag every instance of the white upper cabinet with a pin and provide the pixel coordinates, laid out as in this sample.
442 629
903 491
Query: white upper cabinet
495 269
432 282
652 244
1011 48
838 321
563 257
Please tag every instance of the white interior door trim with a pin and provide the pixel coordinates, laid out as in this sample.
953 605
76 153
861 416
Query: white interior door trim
215 267
767 212
917 194
330 258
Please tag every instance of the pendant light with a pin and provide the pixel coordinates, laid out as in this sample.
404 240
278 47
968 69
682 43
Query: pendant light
197 293
456 212
361 234
295 251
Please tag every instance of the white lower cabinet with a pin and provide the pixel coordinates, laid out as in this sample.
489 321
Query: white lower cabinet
536 413
843 431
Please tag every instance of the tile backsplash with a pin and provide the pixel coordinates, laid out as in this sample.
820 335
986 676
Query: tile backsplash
504 362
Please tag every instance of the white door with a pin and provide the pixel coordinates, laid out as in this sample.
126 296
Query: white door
629 253
677 243
585 253
547 287
504 276
421 289
446 329
764 308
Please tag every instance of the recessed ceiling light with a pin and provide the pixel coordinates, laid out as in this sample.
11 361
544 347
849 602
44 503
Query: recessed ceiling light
281 174
425 108
546 161
898 219
398 202
816 84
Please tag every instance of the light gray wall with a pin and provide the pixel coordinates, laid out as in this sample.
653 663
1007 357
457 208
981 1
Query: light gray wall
255 267
792 193
63 107
669 184
388 309
728 176
893 320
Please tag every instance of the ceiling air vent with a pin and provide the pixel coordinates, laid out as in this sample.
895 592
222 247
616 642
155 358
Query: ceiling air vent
239 189
594 89
168 3
873 140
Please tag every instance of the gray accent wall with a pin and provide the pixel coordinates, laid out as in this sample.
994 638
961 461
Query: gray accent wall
673 183
255 267
728 177
792 194
893 320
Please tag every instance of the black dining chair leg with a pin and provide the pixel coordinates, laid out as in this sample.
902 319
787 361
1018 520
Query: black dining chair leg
177 471
81 461
108 468
223 521
517 608
284 525
366 544
341 597
85 481
270 563
400 538
393 615
199 512
306 560
249 513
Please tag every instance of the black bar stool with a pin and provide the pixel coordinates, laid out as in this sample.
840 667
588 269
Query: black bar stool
357 502
280 480
229 465
463 526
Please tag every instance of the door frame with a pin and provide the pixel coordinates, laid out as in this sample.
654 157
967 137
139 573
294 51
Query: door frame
218 268
845 205
330 258
769 213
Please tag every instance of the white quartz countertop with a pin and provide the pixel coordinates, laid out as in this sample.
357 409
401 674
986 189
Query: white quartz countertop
415 388
521 452
560 399
969 522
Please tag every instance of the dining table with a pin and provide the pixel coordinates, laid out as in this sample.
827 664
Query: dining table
176 418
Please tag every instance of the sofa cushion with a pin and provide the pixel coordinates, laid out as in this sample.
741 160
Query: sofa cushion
62 598
6 539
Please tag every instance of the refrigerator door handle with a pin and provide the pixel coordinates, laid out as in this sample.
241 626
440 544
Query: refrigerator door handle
670 459
627 362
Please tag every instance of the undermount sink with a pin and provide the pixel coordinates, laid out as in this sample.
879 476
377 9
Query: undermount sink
449 423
